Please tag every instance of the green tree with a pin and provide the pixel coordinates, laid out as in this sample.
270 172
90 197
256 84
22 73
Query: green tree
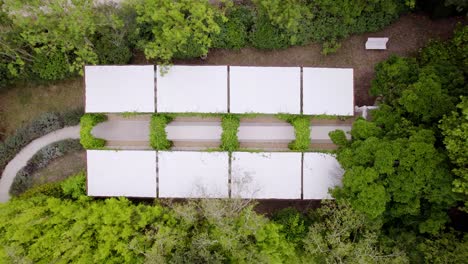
404 179
455 130
343 235
175 28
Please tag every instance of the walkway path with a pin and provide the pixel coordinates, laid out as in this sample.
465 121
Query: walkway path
21 159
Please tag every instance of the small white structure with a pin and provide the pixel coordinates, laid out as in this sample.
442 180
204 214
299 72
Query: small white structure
376 43
266 175
186 174
268 90
328 91
117 89
121 173
321 172
200 89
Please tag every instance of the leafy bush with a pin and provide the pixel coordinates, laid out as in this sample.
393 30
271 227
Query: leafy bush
41 159
266 36
112 49
52 189
230 125
52 66
72 117
330 47
234 32
87 122
5 76
294 225
175 28
44 124
75 186
339 138
158 135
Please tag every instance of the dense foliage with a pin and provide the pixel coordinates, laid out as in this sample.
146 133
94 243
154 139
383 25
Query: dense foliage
53 39
401 167
23 179
230 125
87 123
175 28
39 127
158 135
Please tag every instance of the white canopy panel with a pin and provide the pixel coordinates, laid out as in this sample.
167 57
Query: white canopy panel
121 173
200 89
116 89
185 174
267 175
321 172
268 90
328 91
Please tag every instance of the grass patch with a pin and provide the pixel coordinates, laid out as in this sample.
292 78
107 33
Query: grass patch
230 125
158 135
25 101
87 122
301 124
330 117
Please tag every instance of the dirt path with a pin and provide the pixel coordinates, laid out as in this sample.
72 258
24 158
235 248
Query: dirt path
21 159
407 35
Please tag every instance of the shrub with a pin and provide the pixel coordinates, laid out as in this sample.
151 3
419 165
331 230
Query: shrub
234 32
72 117
53 66
5 76
330 47
339 138
294 225
230 125
87 122
158 135
75 186
266 36
41 159
52 189
44 124
112 49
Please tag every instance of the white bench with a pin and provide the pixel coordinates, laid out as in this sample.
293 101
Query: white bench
376 43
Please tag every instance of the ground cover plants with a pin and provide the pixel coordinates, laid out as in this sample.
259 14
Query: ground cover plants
230 125
301 124
158 135
87 123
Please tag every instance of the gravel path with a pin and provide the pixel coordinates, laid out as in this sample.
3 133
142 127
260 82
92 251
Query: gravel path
20 160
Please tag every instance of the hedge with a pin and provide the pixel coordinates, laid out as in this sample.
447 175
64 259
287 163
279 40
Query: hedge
87 122
158 135
301 126
44 124
229 140
41 159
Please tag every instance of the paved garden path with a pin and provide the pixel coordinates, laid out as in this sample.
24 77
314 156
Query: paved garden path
20 160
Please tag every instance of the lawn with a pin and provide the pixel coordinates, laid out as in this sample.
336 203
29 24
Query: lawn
61 168
25 101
